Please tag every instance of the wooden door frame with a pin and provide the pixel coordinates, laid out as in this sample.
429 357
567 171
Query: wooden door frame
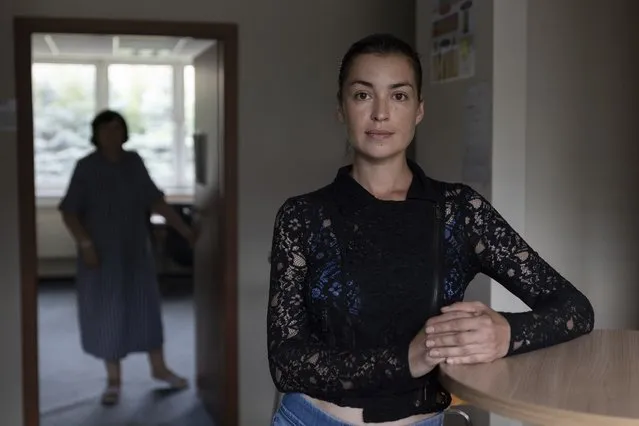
227 34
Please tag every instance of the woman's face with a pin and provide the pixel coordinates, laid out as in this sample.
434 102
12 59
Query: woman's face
380 105
110 135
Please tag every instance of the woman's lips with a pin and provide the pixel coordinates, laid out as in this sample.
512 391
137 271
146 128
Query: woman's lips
379 134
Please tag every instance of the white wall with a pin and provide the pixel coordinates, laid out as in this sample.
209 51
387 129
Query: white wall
439 137
509 122
510 86
53 238
289 55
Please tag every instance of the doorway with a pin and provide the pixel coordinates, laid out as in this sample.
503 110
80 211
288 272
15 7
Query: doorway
214 203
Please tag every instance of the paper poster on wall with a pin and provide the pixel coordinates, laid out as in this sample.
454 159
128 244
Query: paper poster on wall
477 121
453 41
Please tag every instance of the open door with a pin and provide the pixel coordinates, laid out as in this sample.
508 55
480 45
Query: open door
215 321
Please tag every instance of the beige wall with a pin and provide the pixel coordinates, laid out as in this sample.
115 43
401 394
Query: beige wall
564 129
10 357
581 150
581 97
289 54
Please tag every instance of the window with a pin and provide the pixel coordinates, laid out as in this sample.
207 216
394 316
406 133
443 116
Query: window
144 95
64 103
157 100
189 123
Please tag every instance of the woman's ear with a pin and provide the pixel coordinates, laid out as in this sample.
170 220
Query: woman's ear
340 114
420 113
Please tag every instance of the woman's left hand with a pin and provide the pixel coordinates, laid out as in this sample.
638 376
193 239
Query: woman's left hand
462 339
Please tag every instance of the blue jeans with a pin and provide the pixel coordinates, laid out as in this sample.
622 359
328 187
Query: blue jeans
295 410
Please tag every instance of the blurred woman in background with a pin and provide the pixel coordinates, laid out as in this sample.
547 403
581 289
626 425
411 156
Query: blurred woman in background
106 209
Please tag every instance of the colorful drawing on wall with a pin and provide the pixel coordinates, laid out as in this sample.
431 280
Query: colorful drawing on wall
453 44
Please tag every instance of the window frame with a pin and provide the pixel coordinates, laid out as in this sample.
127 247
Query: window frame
180 190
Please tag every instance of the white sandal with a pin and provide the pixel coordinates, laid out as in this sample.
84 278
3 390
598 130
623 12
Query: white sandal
111 395
174 381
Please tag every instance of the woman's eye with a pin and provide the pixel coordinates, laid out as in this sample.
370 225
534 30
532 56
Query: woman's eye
361 96
400 96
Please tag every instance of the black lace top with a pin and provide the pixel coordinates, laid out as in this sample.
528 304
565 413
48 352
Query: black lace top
353 281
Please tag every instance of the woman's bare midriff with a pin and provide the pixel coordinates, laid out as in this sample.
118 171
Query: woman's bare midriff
353 416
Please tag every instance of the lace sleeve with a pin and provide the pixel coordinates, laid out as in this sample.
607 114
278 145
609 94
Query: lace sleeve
299 360
559 312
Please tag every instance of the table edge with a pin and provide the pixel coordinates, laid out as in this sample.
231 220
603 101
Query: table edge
527 412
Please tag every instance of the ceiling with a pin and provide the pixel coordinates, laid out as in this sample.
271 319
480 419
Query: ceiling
89 46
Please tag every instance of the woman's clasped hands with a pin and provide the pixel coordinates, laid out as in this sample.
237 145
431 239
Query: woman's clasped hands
467 333
464 333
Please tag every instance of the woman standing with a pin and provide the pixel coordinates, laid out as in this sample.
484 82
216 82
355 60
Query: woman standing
368 273
106 209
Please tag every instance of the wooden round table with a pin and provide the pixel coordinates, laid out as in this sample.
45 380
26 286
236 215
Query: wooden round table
592 380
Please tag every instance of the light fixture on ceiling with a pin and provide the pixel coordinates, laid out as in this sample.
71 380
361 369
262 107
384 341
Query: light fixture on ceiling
177 49
115 45
53 48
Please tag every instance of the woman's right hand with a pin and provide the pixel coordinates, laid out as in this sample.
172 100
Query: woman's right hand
420 362
89 255
419 359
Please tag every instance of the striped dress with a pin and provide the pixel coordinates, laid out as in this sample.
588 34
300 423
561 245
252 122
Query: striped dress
119 301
